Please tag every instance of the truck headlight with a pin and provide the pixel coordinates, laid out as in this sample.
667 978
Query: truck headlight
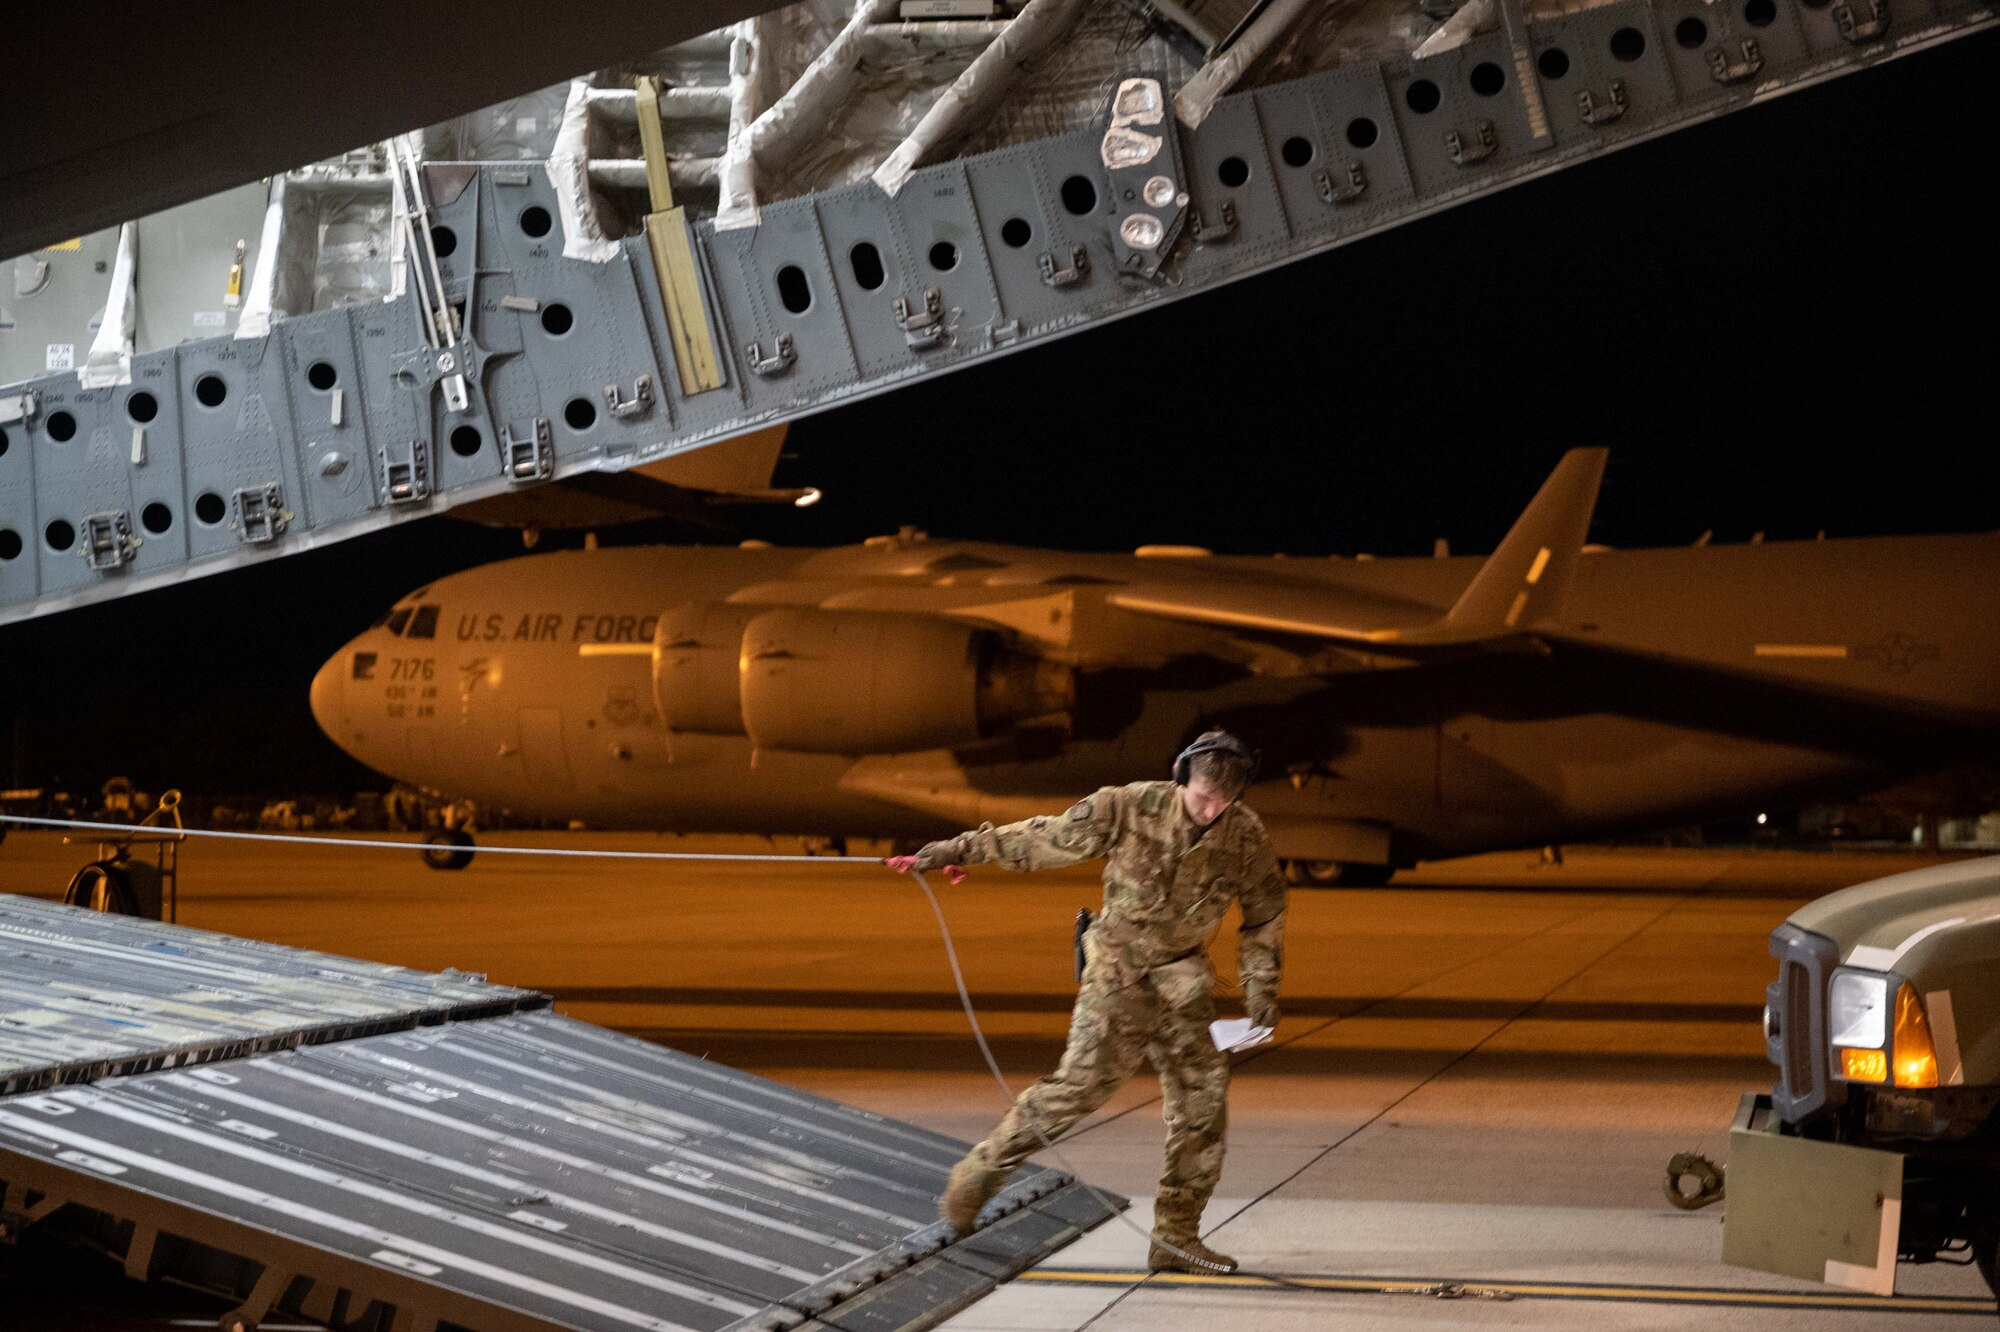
1858 1010
1866 1049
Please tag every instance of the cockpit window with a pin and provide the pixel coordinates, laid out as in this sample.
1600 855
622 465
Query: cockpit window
424 624
397 619
383 618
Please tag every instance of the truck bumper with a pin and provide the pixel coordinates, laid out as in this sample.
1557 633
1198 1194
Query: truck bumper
1823 1211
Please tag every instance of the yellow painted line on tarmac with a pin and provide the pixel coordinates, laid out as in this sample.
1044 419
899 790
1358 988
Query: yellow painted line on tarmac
1547 1290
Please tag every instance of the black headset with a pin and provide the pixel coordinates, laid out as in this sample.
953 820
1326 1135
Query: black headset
1216 742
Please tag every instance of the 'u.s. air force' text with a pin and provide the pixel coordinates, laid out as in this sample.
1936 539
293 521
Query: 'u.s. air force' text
548 628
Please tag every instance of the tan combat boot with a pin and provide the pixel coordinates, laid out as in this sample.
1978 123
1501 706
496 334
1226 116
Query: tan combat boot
972 1185
1162 1259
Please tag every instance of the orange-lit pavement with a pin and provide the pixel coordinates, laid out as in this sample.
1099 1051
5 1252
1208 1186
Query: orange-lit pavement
1481 1072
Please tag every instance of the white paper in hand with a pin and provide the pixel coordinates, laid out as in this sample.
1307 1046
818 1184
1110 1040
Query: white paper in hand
1232 1034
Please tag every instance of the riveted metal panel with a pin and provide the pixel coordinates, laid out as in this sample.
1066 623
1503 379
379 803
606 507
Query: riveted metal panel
1057 161
1461 111
574 366
395 380
1826 28
468 447
1584 41
18 571
337 459
864 216
1016 188
154 460
1358 123
1230 146
1694 76
505 242
242 441
748 266
1772 26
75 476
940 245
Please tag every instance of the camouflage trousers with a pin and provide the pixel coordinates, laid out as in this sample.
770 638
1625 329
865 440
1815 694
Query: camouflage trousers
1164 1017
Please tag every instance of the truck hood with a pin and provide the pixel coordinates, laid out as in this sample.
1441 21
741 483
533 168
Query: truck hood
1884 924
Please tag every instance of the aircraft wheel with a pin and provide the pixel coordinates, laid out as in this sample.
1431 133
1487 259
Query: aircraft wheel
102 886
448 849
1337 874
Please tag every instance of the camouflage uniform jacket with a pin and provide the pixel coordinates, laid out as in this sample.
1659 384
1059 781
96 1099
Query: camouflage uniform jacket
1167 882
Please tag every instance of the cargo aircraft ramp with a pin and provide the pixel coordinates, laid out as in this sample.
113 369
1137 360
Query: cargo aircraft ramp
379 1148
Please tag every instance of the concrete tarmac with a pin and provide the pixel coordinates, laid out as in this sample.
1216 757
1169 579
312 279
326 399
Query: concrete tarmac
1481 1072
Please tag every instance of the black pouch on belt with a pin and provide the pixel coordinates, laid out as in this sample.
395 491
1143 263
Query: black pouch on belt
1083 919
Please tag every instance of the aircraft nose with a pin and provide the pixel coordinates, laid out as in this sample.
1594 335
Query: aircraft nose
329 697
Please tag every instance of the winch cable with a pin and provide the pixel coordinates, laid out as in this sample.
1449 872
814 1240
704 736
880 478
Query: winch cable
937 912
158 833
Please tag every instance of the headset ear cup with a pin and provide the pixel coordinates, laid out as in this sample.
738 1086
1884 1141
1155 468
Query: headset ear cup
1228 744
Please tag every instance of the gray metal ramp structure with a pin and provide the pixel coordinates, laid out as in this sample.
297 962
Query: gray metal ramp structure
328 403
370 1147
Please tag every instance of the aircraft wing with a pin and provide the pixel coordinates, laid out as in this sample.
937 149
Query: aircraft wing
1521 586
682 488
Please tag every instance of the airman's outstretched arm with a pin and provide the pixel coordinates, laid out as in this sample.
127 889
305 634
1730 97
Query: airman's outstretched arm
1047 841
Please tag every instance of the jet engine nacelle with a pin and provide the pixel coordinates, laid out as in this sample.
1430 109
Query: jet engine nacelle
697 650
845 682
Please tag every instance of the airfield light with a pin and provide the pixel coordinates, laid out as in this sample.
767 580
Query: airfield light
1916 1057
807 500
1763 818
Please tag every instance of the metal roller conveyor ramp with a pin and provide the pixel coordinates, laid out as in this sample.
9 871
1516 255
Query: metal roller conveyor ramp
376 1148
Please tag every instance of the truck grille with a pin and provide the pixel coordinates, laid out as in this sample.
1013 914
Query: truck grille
1795 1036
1797 1067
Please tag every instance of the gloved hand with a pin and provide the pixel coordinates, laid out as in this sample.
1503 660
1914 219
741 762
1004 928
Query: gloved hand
934 856
1262 1009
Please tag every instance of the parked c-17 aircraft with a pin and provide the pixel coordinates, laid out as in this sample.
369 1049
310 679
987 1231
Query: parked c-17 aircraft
1406 708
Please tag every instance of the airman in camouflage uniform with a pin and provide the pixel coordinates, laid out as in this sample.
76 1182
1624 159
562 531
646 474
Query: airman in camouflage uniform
1147 986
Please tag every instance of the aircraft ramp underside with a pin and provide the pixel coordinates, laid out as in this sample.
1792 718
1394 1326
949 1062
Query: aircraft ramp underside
375 1148
528 327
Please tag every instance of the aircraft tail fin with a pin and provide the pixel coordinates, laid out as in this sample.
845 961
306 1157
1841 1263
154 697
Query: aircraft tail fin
1527 579
1523 584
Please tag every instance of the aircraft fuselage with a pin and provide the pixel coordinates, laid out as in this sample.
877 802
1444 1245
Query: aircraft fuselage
1686 683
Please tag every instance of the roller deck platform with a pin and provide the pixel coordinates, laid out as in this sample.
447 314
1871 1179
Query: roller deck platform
378 1148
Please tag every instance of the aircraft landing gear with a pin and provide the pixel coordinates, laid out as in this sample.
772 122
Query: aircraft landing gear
448 849
1336 874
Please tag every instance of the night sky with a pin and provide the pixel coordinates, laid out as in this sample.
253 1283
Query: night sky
1779 321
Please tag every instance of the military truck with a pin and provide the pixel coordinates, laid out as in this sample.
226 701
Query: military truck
1880 1141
